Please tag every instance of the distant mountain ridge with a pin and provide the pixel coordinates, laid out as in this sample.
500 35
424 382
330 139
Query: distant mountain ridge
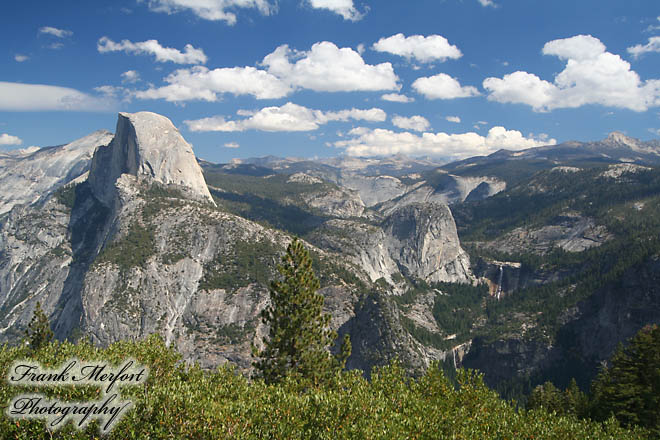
616 148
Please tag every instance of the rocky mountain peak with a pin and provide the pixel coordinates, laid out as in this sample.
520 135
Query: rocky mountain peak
619 139
148 146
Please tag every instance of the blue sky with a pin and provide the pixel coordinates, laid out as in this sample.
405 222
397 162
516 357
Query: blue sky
242 78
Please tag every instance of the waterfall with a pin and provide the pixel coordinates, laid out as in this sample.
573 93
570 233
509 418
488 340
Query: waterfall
499 283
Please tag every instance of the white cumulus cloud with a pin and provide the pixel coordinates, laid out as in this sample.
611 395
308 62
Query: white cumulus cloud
200 83
652 46
59 33
415 123
423 49
7 139
580 47
379 142
214 10
328 68
443 86
395 97
591 76
190 55
324 68
345 8
454 119
288 117
486 3
41 97
232 145
20 58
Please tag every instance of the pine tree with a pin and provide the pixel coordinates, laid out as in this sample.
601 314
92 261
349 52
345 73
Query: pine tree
571 401
299 338
630 388
546 396
575 401
38 332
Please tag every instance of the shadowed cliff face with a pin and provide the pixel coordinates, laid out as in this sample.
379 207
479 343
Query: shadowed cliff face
589 334
149 147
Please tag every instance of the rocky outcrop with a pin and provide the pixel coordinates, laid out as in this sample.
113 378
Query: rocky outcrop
417 240
502 277
615 313
569 231
336 202
505 359
422 239
375 189
149 147
617 170
448 189
303 178
616 139
378 337
388 193
35 259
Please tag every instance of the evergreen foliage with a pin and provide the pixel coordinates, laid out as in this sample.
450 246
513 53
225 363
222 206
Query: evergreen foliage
271 200
38 332
456 309
132 250
66 195
299 337
628 207
244 263
183 401
630 388
571 401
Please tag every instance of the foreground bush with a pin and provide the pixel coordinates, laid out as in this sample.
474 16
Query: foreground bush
180 401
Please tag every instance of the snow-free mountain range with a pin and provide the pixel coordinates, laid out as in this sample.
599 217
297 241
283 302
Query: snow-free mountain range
528 265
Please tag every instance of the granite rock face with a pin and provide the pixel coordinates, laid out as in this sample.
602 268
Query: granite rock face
422 239
148 146
569 231
416 241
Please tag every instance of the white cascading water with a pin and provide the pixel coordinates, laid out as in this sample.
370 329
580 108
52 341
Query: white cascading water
499 283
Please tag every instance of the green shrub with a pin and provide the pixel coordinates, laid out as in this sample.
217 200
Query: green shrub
181 401
132 250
